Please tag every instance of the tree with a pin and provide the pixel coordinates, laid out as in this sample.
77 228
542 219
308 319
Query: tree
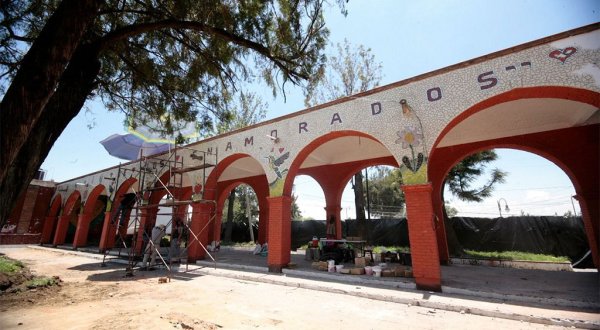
387 199
352 70
150 59
296 213
467 171
460 180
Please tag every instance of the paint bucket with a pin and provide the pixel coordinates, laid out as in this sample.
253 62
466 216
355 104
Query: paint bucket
369 270
331 263
377 271
331 269
338 268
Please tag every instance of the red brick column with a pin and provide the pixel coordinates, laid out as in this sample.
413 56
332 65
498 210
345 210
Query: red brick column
147 221
83 227
201 215
280 232
47 230
107 239
423 240
61 230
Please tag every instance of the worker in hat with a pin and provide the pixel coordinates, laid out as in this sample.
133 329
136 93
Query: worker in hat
153 245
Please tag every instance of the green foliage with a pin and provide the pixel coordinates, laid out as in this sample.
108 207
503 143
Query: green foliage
462 175
380 249
247 110
182 60
238 244
351 70
515 255
450 210
8 265
386 197
296 213
41 282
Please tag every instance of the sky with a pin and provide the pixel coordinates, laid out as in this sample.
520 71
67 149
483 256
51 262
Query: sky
408 38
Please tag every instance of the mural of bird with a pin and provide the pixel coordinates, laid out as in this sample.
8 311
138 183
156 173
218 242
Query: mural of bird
275 163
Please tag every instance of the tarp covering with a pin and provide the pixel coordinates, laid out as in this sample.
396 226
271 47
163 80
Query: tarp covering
558 236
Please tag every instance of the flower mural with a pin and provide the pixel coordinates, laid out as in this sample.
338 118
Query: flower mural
411 137
414 167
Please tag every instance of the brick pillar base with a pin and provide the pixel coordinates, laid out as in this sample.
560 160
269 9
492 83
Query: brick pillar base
81 233
107 238
61 230
280 233
201 215
47 230
422 236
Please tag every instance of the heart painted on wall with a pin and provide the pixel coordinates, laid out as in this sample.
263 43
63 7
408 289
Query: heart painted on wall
562 54
281 150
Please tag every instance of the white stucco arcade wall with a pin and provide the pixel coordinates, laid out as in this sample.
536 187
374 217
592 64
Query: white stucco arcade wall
547 85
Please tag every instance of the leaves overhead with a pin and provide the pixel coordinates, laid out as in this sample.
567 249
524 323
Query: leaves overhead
351 70
184 59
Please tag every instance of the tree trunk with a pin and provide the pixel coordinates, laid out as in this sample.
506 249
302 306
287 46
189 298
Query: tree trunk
249 216
36 80
229 224
75 86
454 247
359 203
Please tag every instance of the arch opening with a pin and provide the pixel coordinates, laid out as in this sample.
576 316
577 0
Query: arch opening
533 212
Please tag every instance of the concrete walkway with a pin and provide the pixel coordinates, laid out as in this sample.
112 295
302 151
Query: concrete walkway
546 297
558 298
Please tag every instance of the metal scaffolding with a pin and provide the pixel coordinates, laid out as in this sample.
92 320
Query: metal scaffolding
148 176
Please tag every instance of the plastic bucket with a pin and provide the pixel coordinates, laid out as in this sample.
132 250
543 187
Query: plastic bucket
377 271
368 270
339 268
331 263
331 269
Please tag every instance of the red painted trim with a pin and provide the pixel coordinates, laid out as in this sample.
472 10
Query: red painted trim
551 92
55 208
90 204
294 168
71 201
212 181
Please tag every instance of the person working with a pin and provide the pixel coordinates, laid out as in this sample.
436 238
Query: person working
176 234
153 245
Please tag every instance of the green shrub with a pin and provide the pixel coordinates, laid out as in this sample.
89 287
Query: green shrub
515 256
10 266
39 282
379 249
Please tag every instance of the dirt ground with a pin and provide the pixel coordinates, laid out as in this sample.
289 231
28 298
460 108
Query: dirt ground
94 297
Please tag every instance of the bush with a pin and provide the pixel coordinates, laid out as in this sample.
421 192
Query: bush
10 266
39 282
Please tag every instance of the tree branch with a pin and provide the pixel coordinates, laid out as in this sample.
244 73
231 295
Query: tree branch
137 29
